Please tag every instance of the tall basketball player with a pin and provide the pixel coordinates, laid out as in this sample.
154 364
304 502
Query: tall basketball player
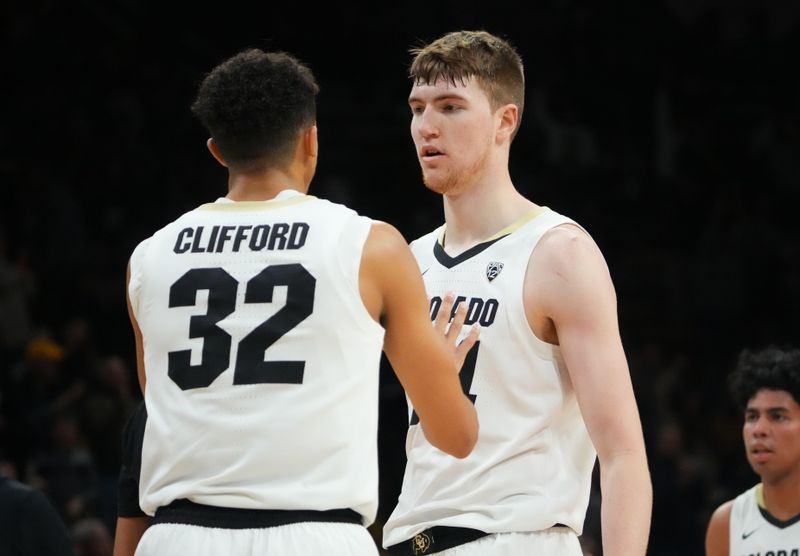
259 321
549 376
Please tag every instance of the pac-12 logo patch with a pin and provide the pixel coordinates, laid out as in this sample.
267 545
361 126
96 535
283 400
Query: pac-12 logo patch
421 543
493 270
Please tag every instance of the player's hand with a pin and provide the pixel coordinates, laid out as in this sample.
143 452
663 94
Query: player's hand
451 330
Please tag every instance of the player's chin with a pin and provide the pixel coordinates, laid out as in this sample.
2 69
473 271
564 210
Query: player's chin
437 184
763 464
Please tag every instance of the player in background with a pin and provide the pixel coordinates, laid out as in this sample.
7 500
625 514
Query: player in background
764 519
29 524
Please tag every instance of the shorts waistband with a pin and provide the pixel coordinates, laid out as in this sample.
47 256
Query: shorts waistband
189 513
439 538
435 539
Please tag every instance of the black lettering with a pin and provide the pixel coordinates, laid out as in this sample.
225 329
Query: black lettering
459 299
474 310
770 553
196 243
241 234
489 312
182 244
795 552
478 310
223 237
212 240
259 238
278 234
436 303
782 553
298 235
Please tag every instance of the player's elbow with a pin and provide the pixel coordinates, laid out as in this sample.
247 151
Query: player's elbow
464 447
459 438
458 446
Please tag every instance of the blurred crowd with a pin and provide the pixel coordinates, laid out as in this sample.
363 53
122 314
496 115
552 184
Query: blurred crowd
670 130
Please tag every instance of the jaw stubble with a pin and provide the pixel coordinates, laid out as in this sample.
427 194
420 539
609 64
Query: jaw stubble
455 180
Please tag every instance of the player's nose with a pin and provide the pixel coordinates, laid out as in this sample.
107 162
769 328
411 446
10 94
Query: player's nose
427 125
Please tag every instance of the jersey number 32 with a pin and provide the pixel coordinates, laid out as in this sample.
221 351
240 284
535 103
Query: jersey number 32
250 366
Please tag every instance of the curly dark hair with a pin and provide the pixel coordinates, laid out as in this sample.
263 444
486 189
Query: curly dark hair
772 368
255 104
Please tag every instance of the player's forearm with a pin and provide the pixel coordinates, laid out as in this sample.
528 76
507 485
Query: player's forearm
129 532
456 431
627 504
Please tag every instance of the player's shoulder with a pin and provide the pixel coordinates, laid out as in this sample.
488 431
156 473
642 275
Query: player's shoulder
566 234
722 514
312 202
384 238
718 531
567 247
186 218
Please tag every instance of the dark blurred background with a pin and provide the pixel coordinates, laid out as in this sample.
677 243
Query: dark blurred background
670 129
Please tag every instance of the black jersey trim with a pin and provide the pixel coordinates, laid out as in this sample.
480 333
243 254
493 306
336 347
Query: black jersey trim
449 262
780 524
189 513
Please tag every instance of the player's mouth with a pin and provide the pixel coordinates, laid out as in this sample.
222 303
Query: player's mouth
760 453
429 153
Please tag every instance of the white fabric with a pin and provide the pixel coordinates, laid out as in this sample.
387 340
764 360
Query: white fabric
559 541
751 533
531 468
271 445
297 539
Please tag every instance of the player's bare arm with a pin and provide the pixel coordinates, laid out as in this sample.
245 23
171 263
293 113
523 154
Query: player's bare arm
137 333
570 301
718 532
128 533
427 367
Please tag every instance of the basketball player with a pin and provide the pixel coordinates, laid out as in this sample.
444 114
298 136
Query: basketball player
259 321
766 518
549 376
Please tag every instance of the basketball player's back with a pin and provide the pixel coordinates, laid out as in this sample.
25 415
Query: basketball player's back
287 346
259 321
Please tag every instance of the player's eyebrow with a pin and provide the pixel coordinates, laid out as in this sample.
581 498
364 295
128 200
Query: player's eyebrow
437 98
774 409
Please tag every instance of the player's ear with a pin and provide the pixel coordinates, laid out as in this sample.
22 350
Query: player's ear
507 118
311 141
215 152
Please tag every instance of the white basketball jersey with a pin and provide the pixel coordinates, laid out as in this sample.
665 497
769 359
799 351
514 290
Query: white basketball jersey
754 531
531 468
262 362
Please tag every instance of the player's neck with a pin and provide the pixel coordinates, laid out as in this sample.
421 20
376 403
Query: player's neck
782 497
480 212
262 186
